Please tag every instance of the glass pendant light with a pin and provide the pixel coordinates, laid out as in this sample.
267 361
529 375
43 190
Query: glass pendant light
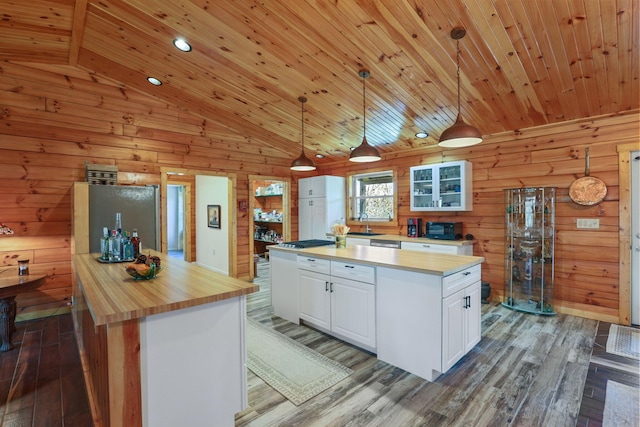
460 134
364 152
303 163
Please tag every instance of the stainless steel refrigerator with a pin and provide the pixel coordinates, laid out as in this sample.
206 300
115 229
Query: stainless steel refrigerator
139 206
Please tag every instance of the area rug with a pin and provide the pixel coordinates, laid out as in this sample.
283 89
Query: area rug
624 341
621 406
294 370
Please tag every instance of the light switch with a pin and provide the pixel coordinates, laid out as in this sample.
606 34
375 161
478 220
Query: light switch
592 223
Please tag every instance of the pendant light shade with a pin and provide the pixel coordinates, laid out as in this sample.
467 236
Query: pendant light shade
364 152
460 134
303 163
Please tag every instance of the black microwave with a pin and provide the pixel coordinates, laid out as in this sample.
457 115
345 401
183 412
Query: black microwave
443 230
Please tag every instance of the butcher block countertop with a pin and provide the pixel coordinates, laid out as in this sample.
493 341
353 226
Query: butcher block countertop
114 296
421 262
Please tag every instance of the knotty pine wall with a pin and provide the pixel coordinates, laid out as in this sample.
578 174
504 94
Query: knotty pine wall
586 265
53 119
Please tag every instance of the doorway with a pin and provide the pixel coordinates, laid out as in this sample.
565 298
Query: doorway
269 215
176 220
635 237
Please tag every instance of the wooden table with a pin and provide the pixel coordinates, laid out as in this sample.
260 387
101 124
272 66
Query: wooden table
11 284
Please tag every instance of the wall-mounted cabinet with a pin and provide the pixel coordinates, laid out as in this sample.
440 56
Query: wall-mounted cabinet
442 187
529 249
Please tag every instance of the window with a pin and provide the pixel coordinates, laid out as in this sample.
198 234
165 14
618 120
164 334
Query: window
372 195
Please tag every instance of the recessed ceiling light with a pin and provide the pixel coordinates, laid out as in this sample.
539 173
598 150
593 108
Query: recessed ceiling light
154 81
182 45
422 135
320 156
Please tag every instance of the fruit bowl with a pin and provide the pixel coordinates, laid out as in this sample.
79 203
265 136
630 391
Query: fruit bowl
142 271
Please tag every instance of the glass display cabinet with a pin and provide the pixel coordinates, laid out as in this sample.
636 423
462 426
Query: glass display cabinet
441 187
529 250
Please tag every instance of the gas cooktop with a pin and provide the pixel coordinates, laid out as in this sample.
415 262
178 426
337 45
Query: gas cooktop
303 244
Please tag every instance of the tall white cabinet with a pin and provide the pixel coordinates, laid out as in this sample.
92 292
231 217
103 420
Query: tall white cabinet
321 203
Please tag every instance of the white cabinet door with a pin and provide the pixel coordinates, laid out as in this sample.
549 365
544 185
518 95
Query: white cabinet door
314 186
312 221
441 187
461 329
353 310
453 339
284 285
473 316
315 298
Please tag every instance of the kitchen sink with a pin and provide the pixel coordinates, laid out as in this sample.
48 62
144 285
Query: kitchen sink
362 233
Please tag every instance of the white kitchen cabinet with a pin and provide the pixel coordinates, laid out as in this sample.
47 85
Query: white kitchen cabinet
424 326
460 324
321 203
435 247
441 187
283 274
340 301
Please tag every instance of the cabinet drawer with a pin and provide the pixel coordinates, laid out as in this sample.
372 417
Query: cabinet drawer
460 280
361 273
314 264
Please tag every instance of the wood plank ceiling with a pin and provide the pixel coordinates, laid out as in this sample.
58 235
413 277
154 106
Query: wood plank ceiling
523 63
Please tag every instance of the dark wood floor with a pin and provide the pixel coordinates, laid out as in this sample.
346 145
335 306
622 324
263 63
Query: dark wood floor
41 381
525 372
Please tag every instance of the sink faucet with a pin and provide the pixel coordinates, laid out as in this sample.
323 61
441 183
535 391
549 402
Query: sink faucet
368 229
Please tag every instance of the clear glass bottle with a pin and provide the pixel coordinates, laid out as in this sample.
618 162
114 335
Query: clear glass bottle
104 244
115 246
119 245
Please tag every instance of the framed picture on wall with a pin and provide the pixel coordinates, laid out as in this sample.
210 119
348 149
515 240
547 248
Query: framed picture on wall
213 216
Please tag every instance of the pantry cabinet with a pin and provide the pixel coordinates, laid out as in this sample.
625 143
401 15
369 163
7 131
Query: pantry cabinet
441 187
321 204
338 298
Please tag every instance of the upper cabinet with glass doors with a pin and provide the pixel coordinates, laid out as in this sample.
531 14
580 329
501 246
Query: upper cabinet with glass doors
442 187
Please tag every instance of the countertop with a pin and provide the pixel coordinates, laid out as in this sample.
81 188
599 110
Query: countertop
399 238
402 259
114 296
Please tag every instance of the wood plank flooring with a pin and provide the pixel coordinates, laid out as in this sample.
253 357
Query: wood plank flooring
41 381
526 371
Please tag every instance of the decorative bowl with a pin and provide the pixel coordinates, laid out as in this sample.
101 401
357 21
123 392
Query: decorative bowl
140 273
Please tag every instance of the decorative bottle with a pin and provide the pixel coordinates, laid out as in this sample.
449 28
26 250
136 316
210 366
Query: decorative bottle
115 247
135 242
127 247
104 244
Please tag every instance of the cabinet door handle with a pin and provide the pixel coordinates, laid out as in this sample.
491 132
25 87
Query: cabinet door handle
468 302
466 273
426 246
326 286
311 260
331 287
349 266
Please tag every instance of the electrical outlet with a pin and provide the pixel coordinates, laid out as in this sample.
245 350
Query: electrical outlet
592 223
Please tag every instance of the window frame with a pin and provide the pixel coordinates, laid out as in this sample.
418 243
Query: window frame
351 177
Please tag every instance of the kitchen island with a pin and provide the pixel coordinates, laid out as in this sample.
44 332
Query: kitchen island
418 311
161 352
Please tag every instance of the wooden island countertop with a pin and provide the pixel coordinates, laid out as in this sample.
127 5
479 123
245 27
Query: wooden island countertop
114 296
421 262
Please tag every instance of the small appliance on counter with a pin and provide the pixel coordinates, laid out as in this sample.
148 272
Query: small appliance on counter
414 227
443 230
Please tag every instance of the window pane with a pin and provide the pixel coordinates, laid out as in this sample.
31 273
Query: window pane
373 196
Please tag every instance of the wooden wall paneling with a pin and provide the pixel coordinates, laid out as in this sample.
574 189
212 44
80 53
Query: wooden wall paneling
586 276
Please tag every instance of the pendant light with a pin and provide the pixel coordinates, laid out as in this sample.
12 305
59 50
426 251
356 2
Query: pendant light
460 134
364 152
303 163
